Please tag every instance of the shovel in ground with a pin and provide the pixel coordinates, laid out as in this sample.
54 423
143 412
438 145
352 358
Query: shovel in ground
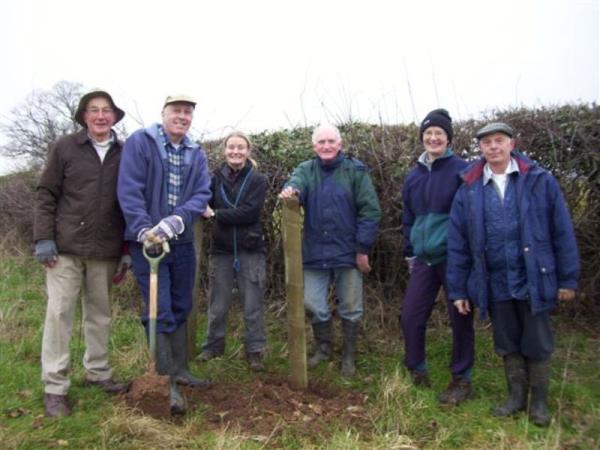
150 392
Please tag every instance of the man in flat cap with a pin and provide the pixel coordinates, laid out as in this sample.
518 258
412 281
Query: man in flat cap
164 185
78 235
512 253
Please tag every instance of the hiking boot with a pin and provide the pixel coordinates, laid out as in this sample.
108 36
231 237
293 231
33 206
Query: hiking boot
515 369
457 392
180 360
323 334
255 361
56 405
109 386
419 378
539 379
208 354
350 330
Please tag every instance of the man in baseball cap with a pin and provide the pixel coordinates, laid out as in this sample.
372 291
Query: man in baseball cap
164 185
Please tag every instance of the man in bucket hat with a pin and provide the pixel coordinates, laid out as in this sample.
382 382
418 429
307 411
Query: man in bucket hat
78 235
164 185
512 253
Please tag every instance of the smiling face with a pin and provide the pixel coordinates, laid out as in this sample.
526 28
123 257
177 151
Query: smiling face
496 150
327 143
236 151
435 141
99 117
177 119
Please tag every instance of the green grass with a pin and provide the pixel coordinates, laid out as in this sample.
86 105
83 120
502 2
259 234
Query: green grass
401 416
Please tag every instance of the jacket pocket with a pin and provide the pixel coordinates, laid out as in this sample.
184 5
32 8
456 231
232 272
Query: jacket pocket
547 285
252 240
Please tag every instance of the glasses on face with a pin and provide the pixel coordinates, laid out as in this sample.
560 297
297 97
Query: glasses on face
98 111
238 147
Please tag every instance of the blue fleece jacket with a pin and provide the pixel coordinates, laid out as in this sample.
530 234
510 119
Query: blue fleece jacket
142 185
427 197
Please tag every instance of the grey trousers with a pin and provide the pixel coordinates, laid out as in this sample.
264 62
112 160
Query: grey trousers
251 285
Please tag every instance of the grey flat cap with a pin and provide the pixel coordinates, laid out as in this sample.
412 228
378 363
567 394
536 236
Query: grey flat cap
495 127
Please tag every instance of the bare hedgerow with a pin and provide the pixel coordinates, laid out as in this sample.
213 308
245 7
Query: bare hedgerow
16 203
564 139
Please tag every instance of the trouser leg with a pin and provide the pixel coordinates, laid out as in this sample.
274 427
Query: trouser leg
63 284
316 290
96 313
251 282
423 287
221 278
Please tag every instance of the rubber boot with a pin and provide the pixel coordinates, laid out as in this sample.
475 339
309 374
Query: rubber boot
515 369
323 336
539 379
350 330
164 366
180 360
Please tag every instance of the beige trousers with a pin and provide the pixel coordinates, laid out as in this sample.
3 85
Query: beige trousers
64 282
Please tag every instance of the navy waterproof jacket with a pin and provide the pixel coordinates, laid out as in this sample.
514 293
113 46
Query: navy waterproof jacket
548 241
341 211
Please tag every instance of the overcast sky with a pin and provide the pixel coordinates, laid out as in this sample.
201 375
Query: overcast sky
263 65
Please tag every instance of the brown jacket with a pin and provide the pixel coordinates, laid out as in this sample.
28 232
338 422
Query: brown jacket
76 202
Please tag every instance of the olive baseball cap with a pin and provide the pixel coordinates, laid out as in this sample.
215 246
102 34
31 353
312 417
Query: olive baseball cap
179 98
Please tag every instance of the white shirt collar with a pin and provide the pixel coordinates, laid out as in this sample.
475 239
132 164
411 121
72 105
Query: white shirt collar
511 168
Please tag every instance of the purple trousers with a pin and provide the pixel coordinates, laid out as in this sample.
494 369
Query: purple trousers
421 292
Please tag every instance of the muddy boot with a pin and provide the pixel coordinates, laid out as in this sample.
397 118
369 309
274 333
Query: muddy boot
180 360
420 378
255 361
350 330
539 379
457 391
515 369
323 337
164 366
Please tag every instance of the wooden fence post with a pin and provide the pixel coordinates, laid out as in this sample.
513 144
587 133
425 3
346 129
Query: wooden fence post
294 286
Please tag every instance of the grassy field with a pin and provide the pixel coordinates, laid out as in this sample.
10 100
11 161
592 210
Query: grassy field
399 416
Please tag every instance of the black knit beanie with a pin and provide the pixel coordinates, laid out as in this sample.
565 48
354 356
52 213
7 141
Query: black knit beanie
438 118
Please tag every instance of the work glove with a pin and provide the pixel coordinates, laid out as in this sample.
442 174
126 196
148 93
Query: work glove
410 262
46 251
122 268
166 229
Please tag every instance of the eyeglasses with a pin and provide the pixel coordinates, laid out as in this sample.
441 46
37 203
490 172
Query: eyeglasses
97 111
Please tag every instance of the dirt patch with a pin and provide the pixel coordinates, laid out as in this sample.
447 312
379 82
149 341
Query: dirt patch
267 405
150 394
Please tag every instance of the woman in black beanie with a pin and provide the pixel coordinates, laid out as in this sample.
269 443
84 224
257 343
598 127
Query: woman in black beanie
427 197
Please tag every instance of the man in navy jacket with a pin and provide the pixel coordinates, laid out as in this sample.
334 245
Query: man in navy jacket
512 252
164 185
